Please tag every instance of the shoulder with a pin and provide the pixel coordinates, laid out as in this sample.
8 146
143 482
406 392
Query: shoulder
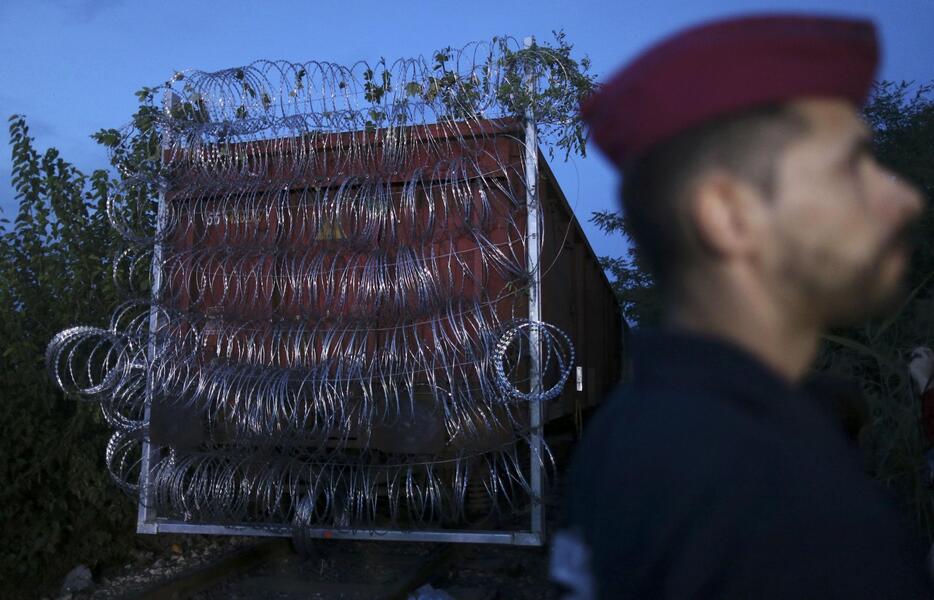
679 484
638 424
651 456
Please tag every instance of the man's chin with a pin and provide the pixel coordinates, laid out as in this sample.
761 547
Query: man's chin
868 302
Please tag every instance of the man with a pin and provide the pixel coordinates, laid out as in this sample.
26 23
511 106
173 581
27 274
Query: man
751 190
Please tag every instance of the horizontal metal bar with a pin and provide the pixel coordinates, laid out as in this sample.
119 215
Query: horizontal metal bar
514 538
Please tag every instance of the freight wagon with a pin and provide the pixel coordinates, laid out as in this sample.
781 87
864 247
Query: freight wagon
356 328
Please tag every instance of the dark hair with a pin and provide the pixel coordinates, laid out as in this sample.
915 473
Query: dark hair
654 185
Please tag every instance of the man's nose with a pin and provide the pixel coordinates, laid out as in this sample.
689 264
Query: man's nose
907 198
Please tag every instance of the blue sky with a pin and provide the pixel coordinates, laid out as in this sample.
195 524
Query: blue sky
71 66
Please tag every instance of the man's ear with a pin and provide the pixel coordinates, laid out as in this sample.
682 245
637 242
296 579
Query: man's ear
725 212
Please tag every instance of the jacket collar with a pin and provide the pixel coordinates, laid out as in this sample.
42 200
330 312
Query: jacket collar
678 355
709 367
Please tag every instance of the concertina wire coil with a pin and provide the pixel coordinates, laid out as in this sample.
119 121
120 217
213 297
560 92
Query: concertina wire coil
329 303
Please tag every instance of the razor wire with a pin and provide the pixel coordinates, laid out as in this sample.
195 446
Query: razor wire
328 280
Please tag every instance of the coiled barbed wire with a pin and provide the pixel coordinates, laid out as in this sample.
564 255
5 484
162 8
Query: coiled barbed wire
558 348
329 296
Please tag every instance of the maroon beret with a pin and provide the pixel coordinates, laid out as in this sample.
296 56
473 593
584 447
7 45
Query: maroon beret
724 67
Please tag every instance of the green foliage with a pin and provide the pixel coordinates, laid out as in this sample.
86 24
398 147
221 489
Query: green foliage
873 353
458 95
559 83
632 282
57 505
555 105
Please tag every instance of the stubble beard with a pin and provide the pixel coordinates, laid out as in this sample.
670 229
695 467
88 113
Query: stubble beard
871 292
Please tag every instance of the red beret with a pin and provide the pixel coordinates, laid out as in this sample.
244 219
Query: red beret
728 66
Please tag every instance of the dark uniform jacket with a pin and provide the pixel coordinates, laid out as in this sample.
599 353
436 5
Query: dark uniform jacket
709 476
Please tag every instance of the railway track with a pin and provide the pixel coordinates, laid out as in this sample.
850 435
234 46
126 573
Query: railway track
352 570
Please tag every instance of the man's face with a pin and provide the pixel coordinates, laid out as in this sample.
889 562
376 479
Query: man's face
836 239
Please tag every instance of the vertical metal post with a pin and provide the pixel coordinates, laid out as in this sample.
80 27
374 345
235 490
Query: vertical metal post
146 514
533 250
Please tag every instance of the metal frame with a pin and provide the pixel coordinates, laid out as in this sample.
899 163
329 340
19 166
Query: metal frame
146 513
533 247
513 538
149 522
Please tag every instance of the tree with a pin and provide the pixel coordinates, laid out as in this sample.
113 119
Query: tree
631 279
57 505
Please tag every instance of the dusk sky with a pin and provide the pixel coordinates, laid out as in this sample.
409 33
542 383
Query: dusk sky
71 66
